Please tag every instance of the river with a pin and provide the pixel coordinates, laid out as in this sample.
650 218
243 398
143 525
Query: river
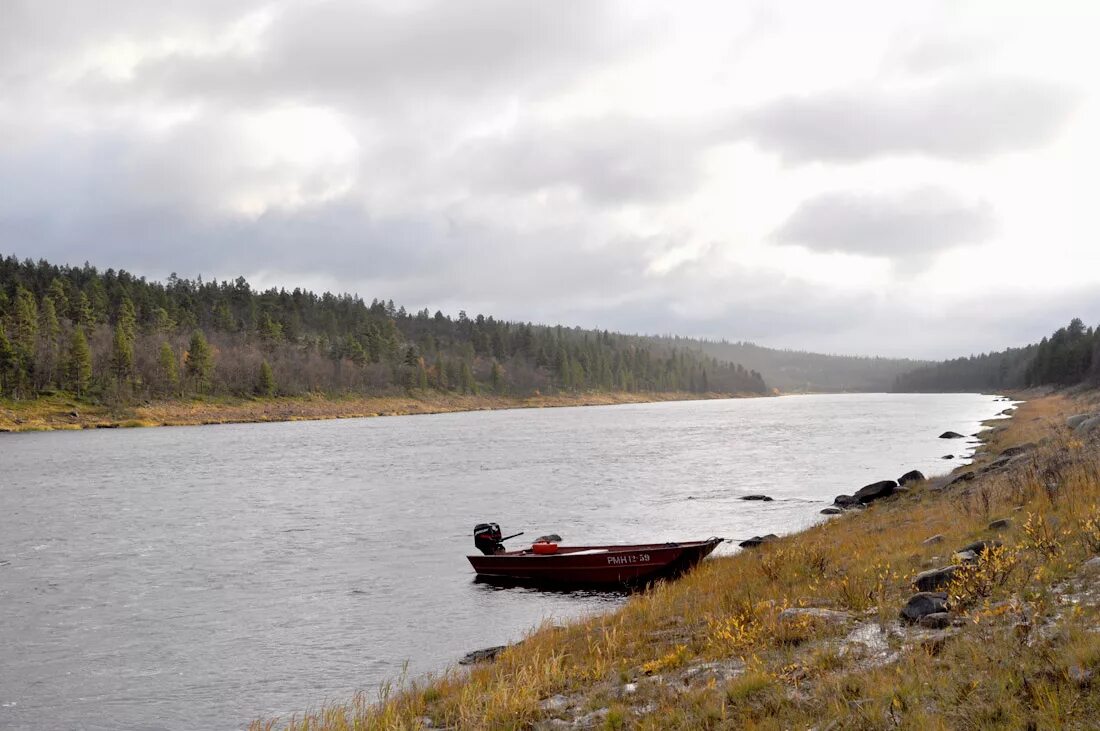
199 577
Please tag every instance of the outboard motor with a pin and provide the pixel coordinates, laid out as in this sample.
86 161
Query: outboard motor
488 539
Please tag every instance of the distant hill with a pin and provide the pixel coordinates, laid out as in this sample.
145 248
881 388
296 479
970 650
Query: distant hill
1068 357
799 371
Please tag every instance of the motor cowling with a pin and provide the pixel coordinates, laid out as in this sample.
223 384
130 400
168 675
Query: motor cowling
487 538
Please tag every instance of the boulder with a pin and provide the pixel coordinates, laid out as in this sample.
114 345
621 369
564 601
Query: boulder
979 547
1077 419
923 604
487 655
936 620
875 491
1088 425
948 456
935 579
1008 412
758 540
951 435
831 511
763 498
938 538
999 524
910 476
965 556
844 501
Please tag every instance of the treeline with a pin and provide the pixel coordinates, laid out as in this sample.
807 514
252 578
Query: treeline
1068 357
114 336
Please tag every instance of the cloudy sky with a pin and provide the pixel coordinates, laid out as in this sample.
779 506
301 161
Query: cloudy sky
911 179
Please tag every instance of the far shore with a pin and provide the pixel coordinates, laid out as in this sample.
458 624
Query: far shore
56 412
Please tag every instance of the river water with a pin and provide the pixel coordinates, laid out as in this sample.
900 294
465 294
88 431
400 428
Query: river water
199 577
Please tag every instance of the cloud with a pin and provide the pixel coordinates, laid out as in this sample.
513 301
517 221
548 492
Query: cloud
958 120
912 225
374 55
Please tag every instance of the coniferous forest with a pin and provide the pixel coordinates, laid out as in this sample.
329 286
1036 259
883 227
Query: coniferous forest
112 336
1069 357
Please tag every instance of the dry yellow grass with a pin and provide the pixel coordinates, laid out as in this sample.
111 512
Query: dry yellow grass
714 651
61 411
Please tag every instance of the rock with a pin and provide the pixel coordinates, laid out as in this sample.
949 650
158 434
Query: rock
630 689
1008 412
758 540
979 547
935 579
999 524
1077 419
763 498
548 538
875 491
844 501
936 620
938 538
555 702
951 435
1092 566
964 477
827 615
831 511
924 603
74 414
1087 425
1017 450
948 456
910 476
487 655
965 556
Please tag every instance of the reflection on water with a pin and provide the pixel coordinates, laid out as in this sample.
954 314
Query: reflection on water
200 577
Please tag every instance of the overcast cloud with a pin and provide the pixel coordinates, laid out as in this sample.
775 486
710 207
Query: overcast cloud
776 171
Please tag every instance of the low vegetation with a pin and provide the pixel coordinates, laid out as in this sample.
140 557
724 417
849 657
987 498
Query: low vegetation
55 411
804 632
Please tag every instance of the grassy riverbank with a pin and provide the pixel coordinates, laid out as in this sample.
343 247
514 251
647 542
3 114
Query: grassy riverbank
805 633
62 411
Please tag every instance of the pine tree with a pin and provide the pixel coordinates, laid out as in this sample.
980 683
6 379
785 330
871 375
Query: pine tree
496 377
169 371
79 365
200 362
265 384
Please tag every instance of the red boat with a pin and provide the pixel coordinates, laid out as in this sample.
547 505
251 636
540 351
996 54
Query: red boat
547 564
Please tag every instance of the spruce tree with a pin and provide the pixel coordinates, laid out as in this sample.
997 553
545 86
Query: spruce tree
79 364
200 362
122 354
169 371
7 364
496 377
469 385
265 383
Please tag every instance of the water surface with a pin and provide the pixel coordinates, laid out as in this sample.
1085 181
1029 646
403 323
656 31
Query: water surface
198 577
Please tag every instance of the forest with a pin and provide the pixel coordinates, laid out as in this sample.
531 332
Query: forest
1069 357
114 337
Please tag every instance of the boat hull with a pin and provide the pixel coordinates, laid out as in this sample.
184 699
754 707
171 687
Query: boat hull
593 566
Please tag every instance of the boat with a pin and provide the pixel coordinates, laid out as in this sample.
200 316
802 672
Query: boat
552 565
